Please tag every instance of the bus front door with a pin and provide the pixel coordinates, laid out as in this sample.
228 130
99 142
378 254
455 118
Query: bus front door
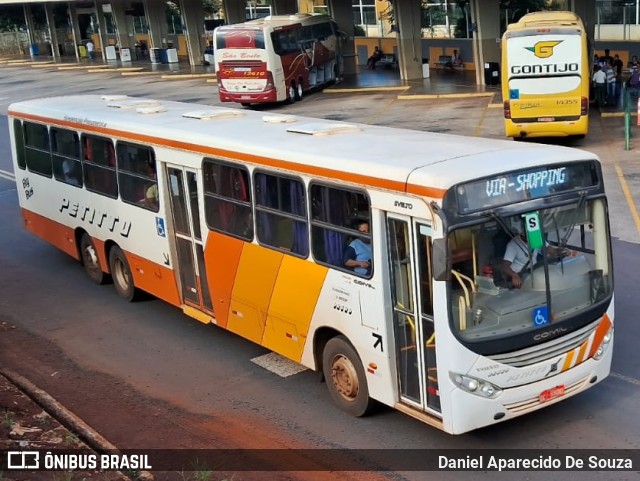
410 254
185 210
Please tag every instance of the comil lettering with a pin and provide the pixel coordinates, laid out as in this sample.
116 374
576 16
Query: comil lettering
547 68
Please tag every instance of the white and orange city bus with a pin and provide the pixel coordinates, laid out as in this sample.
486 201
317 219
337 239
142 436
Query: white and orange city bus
276 58
171 199
546 76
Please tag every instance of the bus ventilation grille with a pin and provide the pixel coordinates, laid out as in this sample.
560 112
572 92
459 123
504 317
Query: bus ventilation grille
548 350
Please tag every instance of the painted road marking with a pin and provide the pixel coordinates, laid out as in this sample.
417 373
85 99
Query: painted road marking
279 365
622 377
5 174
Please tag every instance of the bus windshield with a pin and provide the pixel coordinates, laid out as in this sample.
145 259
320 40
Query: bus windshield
513 276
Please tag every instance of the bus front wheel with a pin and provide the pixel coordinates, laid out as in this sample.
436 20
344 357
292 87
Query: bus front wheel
345 377
90 260
121 274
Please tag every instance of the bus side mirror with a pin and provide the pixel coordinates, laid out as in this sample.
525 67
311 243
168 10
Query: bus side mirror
440 260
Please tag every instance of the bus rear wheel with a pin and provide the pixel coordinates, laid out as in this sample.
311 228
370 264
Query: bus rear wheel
291 92
121 274
345 377
90 260
299 90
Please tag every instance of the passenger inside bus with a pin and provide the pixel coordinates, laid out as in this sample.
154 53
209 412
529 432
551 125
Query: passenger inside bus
358 254
151 191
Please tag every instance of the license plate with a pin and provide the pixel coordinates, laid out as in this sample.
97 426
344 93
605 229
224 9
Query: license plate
552 393
546 119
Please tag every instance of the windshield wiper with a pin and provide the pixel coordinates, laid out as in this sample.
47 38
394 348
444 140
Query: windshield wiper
565 239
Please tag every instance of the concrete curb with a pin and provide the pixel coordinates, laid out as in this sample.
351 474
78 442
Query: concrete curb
65 417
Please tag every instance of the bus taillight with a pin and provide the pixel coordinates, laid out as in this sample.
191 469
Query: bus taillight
507 109
270 85
584 106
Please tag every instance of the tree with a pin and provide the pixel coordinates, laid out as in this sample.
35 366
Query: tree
11 18
211 7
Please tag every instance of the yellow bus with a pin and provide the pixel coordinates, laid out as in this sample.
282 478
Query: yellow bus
249 222
546 76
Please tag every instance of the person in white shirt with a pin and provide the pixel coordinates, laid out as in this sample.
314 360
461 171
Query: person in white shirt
600 85
91 50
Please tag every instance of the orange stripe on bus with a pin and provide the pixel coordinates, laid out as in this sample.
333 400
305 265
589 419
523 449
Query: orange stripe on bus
601 331
238 156
292 306
252 290
154 278
54 233
568 362
221 257
582 351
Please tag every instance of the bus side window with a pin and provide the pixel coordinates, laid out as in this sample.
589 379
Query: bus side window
227 199
98 165
37 149
137 176
334 215
19 142
281 213
65 149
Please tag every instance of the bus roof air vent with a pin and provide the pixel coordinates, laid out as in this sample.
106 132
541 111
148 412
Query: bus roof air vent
151 109
133 103
114 98
279 119
324 129
213 114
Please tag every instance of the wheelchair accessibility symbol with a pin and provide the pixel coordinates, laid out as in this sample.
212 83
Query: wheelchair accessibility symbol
540 316
160 227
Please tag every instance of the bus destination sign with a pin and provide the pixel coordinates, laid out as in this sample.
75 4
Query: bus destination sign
524 185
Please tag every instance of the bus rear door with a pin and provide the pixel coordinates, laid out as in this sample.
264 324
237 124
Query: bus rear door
189 246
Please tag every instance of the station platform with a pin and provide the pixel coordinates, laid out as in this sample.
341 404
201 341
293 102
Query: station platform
441 83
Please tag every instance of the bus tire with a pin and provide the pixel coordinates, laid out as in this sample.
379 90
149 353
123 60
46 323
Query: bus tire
291 92
299 90
90 260
345 377
121 274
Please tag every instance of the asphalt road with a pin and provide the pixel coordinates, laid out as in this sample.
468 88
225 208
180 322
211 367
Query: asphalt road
153 347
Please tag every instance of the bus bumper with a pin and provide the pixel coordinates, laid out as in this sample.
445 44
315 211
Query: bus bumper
546 129
248 97
471 411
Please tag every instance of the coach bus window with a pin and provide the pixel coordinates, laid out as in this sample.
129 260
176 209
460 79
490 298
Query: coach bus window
65 149
247 39
227 199
37 153
137 177
335 215
99 165
19 141
281 213
285 41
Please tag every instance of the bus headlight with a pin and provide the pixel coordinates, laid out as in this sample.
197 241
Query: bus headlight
475 386
604 345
